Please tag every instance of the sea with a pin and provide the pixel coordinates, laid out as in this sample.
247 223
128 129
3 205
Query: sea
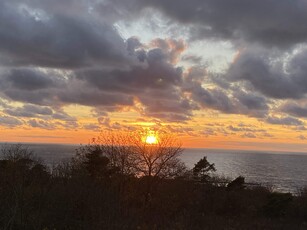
280 171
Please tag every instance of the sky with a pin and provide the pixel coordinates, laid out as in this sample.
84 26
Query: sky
227 74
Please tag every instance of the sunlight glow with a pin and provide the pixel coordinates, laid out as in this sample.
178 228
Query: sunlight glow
151 139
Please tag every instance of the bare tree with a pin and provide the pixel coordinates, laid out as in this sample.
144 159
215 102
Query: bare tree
133 156
116 147
160 159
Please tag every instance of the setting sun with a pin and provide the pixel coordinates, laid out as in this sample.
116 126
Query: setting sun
151 139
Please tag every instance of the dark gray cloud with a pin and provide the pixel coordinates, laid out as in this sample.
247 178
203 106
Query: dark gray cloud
57 39
44 88
32 34
157 75
28 111
248 135
290 121
249 131
156 84
26 79
58 53
214 99
230 102
30 85
92 127
107 124
70 124
273 23
9 121
37 123
294 109
244 129
214 131
209 132
61 115
79 92
270 75
252 101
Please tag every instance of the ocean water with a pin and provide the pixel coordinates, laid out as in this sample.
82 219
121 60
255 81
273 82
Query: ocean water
286 172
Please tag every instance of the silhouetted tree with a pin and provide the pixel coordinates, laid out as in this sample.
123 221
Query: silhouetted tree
23 183
160 159
202 170
132 156
84 193
237 184
116 148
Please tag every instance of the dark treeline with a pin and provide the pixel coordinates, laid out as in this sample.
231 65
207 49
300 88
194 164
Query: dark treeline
138 186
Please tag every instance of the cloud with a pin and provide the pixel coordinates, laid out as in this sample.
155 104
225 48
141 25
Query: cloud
156 85
294 109
215 131
28 111
61 115
60 53
35 123
10 122
28 79
92 127
275 77
48 118
249 131
209 132
179 129
226 101
291 121
30 85
253 21
192 59
252 101
302 137
248 135
244 129
105 122
44 88
57 39
156 82
300 128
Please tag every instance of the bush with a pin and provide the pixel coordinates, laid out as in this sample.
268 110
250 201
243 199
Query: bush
277 204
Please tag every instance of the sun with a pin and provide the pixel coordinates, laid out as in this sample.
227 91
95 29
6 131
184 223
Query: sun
151 139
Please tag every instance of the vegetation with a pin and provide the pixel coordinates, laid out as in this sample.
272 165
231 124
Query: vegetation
111 184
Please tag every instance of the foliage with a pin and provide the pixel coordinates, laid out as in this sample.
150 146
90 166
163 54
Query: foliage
23 185
202 169
237 184
277 204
